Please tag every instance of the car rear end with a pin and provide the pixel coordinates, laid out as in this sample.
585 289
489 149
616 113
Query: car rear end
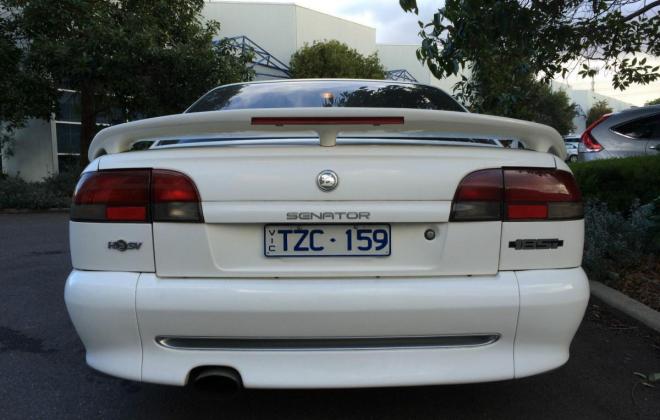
410 264
634 132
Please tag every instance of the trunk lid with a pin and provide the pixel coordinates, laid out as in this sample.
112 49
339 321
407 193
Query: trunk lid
244 188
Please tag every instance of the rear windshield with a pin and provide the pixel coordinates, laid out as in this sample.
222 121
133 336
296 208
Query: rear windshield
350 94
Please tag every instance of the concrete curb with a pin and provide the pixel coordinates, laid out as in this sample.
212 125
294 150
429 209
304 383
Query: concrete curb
627 305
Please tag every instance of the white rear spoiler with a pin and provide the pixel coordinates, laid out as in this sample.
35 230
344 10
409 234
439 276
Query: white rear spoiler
327 123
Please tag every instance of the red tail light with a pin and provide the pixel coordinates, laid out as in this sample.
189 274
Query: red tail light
517 194
135 196
589 142
174 197
114 196
479 196
541 194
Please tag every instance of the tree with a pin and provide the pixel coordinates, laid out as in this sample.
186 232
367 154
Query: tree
599 109
334 59
132 57
543 105
25 93
505 42
655 101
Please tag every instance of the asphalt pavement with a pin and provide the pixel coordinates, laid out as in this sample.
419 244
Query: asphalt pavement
43 374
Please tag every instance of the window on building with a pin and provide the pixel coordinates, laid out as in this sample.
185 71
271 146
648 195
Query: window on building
68 106
68 137
67 127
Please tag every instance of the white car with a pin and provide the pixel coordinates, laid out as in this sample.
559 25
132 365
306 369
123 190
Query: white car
326 233
571 142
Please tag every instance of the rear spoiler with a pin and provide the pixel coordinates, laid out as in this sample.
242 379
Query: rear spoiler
327 123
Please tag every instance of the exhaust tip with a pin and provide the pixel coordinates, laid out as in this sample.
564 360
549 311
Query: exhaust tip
217 380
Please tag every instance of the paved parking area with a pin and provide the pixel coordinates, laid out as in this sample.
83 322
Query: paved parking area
43 374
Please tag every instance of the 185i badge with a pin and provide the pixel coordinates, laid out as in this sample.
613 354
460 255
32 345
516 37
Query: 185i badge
122 245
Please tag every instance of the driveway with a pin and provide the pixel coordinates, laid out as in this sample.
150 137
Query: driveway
43 373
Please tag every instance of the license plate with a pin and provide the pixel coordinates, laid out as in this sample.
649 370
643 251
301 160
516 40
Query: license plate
327 240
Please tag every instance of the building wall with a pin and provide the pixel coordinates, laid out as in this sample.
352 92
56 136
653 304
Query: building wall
282 28
316 26
402 56
271 25
585 99
33 157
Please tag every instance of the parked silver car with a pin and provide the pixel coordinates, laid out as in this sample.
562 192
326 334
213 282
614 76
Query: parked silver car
633 132
572 143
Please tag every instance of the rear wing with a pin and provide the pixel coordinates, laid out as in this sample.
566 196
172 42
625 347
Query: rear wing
327 123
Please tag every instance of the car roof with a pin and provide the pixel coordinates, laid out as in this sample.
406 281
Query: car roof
630 114
640 110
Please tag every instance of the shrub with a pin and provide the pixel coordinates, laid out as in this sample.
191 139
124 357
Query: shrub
334 59
52 192
615 242
620 182
599 109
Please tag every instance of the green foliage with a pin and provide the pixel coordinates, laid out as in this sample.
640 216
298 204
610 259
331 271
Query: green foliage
537 102
616 241
149 57
334 59
655 101
504 43
25 91
52 192
622 219
620 182
599 109
549 107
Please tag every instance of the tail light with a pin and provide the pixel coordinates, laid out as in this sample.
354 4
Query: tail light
136 196
517 194
479 196
590 144
174 197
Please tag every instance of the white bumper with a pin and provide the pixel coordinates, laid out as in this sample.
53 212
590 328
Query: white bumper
534 314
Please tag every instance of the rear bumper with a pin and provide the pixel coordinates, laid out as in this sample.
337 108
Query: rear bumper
530 317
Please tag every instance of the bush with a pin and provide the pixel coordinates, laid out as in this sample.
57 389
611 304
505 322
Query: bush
620 182
334 59
52 192
599 109
615 242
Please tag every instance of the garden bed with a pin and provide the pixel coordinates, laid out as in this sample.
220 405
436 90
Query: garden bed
622 224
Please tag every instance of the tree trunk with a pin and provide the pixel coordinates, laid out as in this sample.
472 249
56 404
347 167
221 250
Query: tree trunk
87 122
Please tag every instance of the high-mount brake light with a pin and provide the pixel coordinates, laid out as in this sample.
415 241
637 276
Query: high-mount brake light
281 121
589 142
135 196
517 194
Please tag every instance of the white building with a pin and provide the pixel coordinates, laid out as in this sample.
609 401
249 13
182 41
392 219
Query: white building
274 31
